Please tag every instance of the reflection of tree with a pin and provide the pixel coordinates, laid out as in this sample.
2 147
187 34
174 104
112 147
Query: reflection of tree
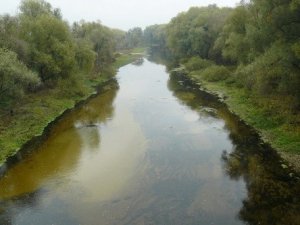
98 109
185 91
273 194
163 58
57 155
88 118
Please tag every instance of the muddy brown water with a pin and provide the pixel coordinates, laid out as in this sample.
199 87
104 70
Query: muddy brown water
156 150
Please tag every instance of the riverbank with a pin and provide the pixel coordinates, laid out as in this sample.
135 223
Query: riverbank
280 134
32 114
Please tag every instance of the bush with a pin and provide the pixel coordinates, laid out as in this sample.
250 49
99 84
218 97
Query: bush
215 73
274 72
244 76
72 86
15 77
196 63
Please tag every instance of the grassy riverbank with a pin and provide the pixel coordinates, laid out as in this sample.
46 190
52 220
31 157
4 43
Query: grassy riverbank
277 126
35 111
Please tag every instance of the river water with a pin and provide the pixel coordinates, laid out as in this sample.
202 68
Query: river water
155 150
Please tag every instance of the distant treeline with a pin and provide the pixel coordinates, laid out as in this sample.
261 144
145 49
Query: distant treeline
255 46
39 50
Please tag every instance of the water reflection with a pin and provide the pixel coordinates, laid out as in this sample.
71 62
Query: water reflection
60 153
181 176
273 193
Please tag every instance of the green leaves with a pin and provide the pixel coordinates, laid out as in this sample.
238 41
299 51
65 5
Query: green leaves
155 36
52 49
85 56
193 33
36 8
196 63
38 39
272 73
101 41
15 77
134 37
259 38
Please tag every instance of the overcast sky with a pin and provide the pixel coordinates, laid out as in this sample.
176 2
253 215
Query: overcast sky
123 14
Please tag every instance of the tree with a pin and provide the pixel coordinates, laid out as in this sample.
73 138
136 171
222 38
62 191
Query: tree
85 56
155 36
10 37
193 33
232 41
134 37
119 39
15 77
101 39
51 47
36 8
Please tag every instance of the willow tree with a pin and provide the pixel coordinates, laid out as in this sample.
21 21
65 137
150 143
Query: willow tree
51 47
101 39
194 32
15 77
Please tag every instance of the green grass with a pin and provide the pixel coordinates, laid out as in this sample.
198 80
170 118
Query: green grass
124 59
29 120
36 111
273 125
134 51
139 50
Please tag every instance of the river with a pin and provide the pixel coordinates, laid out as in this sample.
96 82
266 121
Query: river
153 149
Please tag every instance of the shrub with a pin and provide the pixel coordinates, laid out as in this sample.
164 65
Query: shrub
215 73
196 63
15 77
274 72
72 86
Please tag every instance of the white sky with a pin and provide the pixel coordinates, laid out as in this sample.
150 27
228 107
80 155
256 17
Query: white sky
122 14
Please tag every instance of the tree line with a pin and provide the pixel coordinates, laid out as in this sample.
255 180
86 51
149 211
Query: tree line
39 50
255 45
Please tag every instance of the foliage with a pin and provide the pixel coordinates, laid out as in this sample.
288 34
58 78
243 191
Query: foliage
39 39
119 39
9 36
253 49
51 47
84 55
232 41
51 66
155 36
215 73
37 110
196 63
15 78
72 87
193 33
100 38
36 8
272 73
42 48
259 37
134 37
